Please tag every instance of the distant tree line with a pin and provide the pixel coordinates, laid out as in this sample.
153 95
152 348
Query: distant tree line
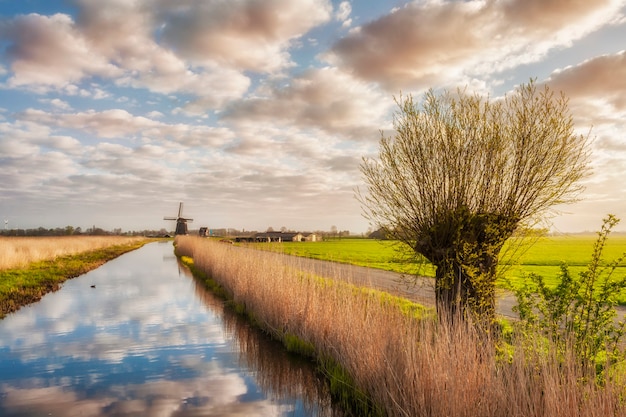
72 231
334 233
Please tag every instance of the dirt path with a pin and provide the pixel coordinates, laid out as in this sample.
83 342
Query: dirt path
420 289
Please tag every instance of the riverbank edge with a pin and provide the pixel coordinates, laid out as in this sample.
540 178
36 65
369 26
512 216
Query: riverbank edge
27 285
341 384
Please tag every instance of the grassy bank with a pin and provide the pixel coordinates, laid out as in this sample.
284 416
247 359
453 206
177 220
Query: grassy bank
43 266
386 354
18 252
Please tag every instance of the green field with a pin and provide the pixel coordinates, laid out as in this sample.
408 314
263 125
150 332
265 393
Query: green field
542 256
387 255
545 256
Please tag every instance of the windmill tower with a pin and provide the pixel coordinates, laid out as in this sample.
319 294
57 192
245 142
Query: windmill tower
181 222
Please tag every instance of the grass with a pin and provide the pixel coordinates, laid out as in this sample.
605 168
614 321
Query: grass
386 359
381 254
546 255
26 282
17 252
542 256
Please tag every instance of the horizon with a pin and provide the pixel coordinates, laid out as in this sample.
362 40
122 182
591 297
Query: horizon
112 113
231 232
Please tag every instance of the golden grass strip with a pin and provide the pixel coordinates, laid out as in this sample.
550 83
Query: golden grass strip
16 252
404 365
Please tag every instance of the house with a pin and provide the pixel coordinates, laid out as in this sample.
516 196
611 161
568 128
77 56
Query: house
279 237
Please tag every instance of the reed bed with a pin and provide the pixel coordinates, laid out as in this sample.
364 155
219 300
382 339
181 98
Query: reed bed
17 252
403 363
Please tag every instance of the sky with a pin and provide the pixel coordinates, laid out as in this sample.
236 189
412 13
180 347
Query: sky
257 113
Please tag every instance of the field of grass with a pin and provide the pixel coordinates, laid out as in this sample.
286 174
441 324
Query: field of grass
16 252
381 254
376 352
32 267
545 256
542 256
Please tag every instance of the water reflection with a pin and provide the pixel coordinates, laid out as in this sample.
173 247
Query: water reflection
144 343
276 371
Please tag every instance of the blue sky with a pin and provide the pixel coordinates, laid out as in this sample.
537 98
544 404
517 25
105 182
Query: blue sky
256 114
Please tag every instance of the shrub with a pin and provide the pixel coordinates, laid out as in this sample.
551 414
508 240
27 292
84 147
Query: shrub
578 315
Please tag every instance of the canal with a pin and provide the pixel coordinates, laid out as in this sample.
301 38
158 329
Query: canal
140 337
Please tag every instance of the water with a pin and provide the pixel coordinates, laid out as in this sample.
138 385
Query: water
146 340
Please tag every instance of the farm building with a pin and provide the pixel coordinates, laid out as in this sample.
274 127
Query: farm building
279 237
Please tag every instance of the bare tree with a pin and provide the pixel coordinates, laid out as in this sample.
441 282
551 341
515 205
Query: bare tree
462 173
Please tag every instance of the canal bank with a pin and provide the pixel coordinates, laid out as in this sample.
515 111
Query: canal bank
25 285
396 356
140 336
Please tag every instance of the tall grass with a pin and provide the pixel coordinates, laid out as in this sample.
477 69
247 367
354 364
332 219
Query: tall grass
17 252
404 363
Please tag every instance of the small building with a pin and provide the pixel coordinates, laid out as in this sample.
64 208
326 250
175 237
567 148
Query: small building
203 232
279 237
310 237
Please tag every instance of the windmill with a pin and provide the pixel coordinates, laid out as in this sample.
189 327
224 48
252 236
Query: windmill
181 222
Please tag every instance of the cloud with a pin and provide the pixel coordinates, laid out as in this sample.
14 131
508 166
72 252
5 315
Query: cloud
56 103
600 78
42 163
244 34
120 124
430 43
596 89
192 47
38 43
21 174
343 13
113 42
203 47
114 123
326 99
154 114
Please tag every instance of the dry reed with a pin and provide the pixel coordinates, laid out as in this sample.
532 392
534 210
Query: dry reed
406 366
17 252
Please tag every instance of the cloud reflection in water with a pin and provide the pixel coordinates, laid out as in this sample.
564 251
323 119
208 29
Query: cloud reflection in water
147 340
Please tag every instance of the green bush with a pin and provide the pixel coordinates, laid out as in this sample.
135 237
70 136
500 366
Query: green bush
578 315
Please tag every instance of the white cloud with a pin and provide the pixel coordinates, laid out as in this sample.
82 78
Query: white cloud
433 43
326 99
602 78
242 34
38 43
116 43
343 13
120 124
155 114
56 103
114 123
